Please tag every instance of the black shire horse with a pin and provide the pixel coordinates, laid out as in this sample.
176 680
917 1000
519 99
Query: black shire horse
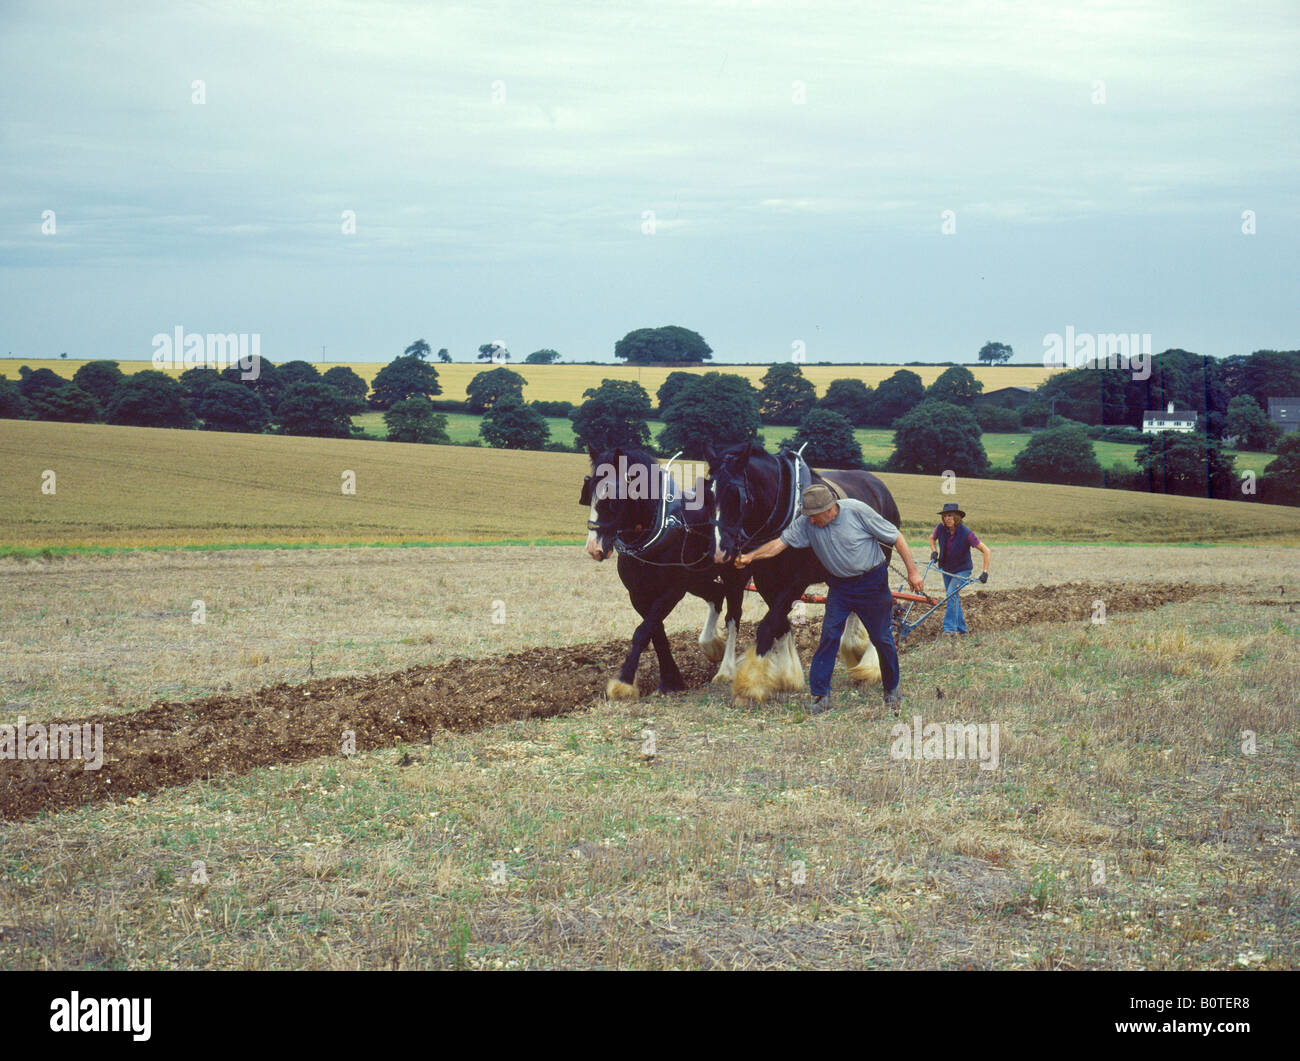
664 538
757 496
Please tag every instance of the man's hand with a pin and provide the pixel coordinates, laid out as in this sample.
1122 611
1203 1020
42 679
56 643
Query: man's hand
933 556
915 580
742 561
984 576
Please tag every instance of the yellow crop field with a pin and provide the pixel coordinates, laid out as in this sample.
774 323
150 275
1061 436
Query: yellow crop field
127 486
553 383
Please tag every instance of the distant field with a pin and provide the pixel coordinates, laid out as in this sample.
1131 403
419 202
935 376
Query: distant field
877 443
553 383
125 486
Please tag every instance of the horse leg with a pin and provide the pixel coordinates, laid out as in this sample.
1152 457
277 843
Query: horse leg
653 610
857 652
713 644
734 586
670 678
774 666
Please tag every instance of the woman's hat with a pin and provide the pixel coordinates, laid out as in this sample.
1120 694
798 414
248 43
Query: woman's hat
951 506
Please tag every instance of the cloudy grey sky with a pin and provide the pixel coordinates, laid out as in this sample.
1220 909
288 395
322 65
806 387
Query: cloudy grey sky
500 159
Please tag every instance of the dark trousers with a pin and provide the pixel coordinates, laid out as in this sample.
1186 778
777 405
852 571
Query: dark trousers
868 597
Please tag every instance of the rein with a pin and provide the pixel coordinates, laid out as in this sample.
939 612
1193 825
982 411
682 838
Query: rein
786 515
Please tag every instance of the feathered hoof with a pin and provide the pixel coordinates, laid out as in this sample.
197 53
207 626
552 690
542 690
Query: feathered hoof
617 690
726 675
714 650
868 672
755 678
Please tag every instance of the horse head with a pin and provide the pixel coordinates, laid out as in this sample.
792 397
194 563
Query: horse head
622 493
744 482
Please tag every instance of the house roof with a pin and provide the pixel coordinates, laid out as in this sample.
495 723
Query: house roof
1165 414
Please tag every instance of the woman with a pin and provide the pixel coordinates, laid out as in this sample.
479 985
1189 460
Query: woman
950 544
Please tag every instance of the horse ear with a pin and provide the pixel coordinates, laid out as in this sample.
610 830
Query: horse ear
710 457
592 453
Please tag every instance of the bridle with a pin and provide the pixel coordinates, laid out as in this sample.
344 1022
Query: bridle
667 521
781 515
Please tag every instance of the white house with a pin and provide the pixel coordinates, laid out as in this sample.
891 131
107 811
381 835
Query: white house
1154 421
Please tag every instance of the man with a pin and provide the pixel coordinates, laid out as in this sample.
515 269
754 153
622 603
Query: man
950 545
846 537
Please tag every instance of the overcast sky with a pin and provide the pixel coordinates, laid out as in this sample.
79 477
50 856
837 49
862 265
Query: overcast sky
500 159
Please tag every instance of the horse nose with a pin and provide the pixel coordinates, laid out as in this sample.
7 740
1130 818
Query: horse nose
718 557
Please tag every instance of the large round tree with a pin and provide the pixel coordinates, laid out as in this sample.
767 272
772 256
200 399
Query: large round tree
401 378
510 424
717 408
830 441
668 345
1059 455
785 397
614 414
150 399
938 437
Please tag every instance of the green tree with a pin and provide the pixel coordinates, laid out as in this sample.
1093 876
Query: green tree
785 396
493 352
314 409
1189 464
937 437
1088 395
614 414
443 356
348 384
100 379
718 408
34 384
830 440
402 378
510 424
414 420
226 406
542 357
895 396
150 399
1059 455
13 406
292 372
1271 374
671 387
195 382
1246 421
995 353
491 386
957 385
993 419
1280 483
419 349
851 398
68 404
670 345
263 379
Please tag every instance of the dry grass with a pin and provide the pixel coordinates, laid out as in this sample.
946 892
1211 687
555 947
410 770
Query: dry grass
121 486
567 382
83 634
1124 828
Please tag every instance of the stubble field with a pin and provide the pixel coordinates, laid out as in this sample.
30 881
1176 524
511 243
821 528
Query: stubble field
1125 826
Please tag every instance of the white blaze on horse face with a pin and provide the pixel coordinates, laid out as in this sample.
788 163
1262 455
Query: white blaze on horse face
593 546
717 535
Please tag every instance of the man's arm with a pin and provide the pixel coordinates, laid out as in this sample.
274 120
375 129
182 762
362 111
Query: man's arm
914 577
763 552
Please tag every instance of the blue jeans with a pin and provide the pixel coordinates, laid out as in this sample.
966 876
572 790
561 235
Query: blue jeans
953 620
868 597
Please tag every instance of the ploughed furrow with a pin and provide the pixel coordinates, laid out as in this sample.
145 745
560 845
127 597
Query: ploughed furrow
175 743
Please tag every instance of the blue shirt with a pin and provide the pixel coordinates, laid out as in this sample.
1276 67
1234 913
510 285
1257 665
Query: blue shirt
850 543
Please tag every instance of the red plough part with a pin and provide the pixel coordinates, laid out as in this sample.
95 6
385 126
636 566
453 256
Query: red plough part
820 598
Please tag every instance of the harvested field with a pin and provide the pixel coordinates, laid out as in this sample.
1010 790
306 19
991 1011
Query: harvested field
174 743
